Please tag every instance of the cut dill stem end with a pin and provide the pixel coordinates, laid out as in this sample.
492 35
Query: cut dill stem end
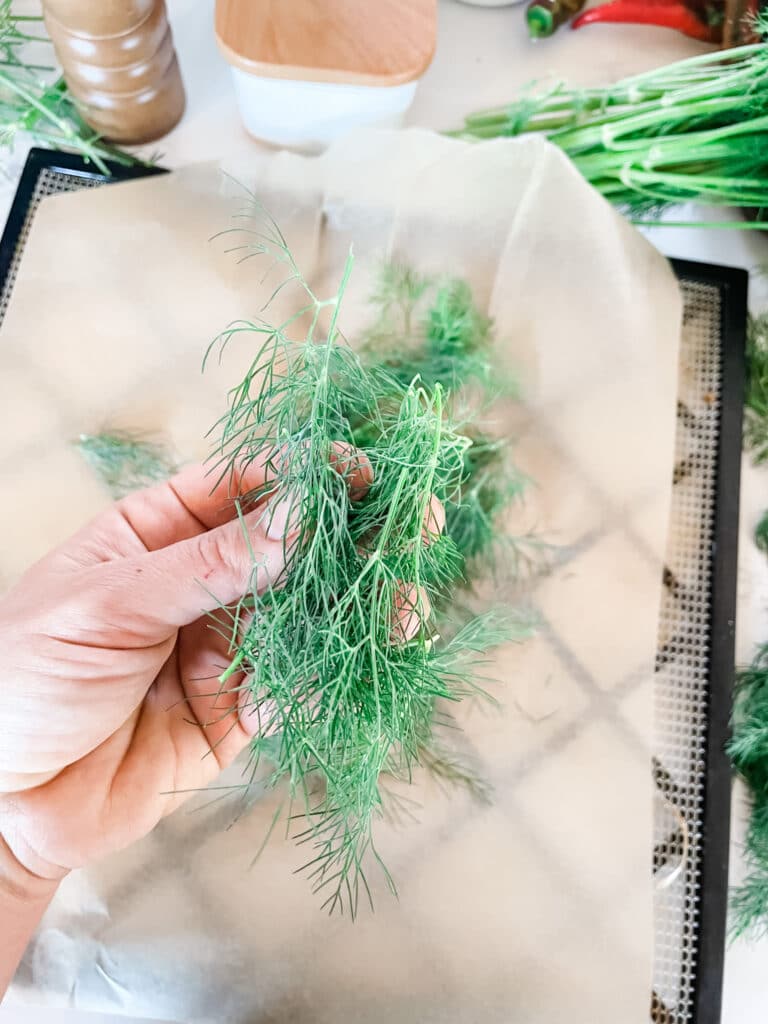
125 462
345 667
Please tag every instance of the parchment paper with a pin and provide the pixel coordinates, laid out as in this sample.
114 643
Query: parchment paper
538 907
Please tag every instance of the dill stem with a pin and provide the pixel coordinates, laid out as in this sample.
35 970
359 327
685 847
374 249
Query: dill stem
718 62
233 666
730 225
585 137
428 487
33 101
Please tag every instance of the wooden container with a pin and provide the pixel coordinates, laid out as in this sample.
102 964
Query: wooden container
120 64
306 71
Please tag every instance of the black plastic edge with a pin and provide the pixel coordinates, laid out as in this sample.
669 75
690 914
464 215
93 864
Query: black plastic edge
69 163
713 892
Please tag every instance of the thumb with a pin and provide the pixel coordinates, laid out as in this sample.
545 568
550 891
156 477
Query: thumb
175 585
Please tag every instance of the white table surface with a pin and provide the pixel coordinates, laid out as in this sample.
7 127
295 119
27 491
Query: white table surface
483 57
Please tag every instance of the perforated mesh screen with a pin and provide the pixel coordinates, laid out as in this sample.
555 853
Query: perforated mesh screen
48 183
681 684
681 680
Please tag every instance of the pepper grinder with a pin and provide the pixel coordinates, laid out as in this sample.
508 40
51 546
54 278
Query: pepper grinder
119 64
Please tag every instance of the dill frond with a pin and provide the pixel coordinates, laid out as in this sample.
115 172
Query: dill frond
125 462
748 750
434 331
340 694
756 402
761 533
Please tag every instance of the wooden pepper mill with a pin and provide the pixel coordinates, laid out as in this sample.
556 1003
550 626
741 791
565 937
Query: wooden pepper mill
119 64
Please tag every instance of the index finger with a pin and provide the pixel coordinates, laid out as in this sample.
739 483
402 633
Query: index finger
192 502
184 506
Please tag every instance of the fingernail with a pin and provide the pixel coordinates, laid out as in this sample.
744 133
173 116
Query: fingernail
283 518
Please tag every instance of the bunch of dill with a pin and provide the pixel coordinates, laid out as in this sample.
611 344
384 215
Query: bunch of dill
691 131
345 697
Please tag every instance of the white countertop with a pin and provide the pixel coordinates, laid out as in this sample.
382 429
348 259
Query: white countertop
483 57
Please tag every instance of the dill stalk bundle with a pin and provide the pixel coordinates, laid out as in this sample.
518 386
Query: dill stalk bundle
348 702
692 131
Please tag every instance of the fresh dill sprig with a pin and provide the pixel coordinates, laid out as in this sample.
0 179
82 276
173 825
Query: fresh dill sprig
748 750
433 330
756 402
341 690
125 462
761 533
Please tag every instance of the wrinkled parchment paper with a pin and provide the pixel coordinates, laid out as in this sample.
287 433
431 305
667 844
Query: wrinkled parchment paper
538 907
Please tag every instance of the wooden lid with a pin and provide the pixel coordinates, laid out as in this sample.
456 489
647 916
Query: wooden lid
360 42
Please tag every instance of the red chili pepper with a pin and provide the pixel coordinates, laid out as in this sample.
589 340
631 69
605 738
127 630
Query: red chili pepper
666 13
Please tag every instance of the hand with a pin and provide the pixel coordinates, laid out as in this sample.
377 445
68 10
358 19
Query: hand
111 703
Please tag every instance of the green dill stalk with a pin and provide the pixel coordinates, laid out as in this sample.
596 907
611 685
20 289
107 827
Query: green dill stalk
340 695
756 402
693 131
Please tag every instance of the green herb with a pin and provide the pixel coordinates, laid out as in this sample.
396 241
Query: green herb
342 695
749 752
35 102
125 462
749 746
692 131
756 402
432 330
761 533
